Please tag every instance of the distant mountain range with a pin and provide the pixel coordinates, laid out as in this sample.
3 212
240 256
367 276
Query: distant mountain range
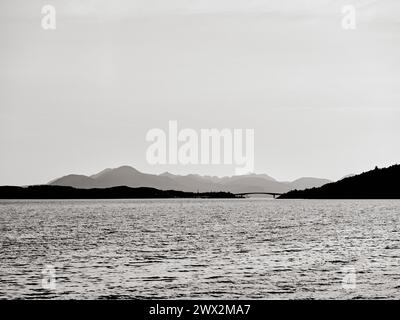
130 177
374 184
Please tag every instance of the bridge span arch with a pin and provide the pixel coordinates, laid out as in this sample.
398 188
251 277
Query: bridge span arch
274 194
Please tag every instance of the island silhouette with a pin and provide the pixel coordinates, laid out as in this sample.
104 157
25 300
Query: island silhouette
122 192
375 184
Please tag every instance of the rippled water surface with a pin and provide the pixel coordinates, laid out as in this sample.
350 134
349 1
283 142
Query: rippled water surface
254 249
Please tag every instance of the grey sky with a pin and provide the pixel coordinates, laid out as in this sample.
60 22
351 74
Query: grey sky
323 102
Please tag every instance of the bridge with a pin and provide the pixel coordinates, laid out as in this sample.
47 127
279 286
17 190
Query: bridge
274 194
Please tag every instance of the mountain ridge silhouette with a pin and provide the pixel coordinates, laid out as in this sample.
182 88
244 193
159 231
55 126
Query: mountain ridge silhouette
131 177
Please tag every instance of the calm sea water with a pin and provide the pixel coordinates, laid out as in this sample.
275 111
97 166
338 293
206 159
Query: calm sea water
254 249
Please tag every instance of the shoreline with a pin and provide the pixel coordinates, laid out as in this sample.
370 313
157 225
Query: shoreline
47 192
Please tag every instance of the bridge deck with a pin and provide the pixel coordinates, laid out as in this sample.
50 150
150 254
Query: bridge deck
274 194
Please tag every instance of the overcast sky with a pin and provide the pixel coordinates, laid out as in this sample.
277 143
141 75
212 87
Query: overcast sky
323 101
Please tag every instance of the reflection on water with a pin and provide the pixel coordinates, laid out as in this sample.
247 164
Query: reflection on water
254 249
